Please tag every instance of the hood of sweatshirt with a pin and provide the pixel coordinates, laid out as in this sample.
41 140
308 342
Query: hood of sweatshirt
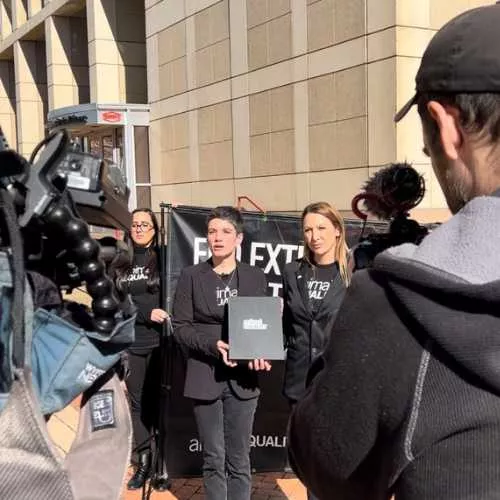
448 288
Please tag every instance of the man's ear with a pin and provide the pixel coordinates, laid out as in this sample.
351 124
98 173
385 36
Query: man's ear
239 238
447 120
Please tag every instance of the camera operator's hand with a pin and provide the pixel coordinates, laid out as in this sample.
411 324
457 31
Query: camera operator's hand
224 351
158 315
259 365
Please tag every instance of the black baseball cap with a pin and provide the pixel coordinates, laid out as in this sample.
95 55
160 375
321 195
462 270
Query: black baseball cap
462 57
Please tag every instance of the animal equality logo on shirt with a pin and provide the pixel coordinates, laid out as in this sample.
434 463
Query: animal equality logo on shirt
224 294
138 273
318 289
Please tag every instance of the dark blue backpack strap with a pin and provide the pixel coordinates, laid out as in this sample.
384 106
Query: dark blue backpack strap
20 310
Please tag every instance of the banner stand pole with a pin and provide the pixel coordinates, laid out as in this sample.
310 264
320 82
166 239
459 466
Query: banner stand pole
167 297
159 459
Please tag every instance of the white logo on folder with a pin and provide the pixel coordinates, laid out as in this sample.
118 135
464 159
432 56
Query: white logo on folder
254 324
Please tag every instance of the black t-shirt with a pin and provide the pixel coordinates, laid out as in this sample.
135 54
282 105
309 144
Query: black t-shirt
226 286
320 284
138 275
147 333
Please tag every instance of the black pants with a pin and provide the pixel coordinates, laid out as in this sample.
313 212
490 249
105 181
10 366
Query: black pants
143 386
224 427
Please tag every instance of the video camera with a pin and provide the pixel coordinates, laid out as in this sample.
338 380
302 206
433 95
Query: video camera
389 195
50 194
54 350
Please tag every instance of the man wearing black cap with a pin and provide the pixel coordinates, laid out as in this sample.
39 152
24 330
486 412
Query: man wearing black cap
408 401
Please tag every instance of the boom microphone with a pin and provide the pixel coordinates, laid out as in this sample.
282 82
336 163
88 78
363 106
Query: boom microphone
389 195
393 190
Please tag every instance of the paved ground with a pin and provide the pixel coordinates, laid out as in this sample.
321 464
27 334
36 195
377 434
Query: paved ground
271 486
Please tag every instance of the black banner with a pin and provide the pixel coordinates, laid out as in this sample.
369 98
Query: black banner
269 242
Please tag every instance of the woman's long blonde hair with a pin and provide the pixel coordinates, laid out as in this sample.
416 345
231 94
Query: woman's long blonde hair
341 251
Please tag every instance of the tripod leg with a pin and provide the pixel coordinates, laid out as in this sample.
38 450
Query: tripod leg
161 481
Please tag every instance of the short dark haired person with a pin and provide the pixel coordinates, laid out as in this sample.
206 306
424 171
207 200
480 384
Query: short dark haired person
408 403
224 392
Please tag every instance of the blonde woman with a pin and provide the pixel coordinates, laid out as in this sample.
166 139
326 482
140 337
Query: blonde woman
313 289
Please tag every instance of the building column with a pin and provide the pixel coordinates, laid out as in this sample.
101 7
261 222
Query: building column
67 61
34 6
31 93
300 90
8 102
5 18
19 13
117 51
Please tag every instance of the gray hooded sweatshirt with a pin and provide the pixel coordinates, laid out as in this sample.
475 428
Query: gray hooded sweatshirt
408 400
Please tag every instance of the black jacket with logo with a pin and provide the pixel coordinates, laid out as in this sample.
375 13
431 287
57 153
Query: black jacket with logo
306 331
199 323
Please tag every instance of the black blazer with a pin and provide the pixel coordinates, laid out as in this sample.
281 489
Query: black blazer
198 325
305 333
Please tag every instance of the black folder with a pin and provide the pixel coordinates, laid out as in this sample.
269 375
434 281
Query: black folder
255 328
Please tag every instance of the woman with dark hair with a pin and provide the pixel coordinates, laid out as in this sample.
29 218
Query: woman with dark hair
141 279
224 393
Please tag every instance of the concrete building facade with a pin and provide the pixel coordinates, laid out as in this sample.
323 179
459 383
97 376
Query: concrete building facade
80 64
283 101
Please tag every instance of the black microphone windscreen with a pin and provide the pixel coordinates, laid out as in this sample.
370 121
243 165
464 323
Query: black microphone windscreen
393 190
